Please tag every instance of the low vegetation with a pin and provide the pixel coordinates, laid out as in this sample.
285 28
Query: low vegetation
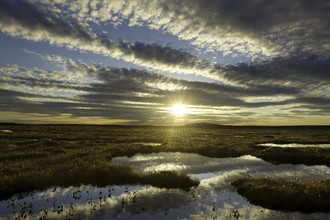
286 195
36 157
96 174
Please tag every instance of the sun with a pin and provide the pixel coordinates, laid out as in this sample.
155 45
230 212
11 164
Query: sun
179 110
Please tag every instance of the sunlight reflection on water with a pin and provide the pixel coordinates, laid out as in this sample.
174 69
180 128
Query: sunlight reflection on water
214 198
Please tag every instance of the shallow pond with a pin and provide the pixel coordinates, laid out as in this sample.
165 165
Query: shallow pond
214 198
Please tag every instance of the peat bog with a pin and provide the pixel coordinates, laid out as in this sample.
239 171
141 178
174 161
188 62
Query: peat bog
38 157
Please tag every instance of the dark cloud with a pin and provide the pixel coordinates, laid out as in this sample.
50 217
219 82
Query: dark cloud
167 56
39 19
257 18
314 100
120 83
301 74
278 26
40 24
286 27
244 27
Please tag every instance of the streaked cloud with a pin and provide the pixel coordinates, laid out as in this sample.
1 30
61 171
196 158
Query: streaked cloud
285 46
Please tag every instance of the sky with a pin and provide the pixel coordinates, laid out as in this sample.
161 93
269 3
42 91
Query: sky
230 62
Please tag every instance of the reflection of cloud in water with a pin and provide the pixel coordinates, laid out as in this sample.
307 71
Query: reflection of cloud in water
204 167
294 145
149 144
165 166
138 158
213 198
247 211
165 204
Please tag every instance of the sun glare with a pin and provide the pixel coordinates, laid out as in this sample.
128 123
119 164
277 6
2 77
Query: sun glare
179 109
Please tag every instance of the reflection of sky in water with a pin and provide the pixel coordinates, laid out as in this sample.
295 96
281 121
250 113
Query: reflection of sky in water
149 144
138 158
204 167
294 145
214 198
6 131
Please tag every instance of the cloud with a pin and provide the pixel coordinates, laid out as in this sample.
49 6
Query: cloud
281 69
303 74
22 18
243 27
287 42
37 23
51 58
136 95
271 27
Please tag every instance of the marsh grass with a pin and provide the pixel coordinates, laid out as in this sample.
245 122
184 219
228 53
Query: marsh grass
82 154
308 155
170 179
99 174
286 195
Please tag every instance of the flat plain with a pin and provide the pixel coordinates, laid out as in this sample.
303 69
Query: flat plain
37 157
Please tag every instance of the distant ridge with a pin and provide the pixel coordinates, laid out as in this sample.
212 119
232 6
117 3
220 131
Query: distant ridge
205 125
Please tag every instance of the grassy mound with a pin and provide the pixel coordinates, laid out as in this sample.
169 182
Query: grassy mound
100 174
286 195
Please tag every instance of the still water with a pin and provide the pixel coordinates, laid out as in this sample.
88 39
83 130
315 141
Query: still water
295 145
214 198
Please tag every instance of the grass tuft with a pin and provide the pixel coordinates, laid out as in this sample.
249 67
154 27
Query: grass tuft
286 195
170 179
